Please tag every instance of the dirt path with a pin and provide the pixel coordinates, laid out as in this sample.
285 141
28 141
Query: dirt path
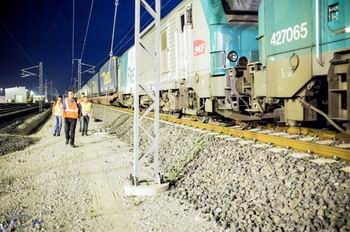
54 187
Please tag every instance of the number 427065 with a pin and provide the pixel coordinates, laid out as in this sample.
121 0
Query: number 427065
289 34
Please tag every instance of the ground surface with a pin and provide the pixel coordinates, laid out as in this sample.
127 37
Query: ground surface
53 187
244 185
234 184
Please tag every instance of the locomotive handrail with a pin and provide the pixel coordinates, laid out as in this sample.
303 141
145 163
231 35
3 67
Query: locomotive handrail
317 27
342 31
259 37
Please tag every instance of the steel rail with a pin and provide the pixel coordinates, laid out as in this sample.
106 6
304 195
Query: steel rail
309 147
13 113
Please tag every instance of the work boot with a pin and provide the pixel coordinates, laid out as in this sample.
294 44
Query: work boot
72 145
67 141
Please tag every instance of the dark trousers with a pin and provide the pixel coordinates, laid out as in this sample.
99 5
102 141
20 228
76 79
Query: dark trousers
85 120
80 124
69 129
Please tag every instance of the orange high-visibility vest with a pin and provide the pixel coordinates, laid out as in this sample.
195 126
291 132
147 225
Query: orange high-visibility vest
71 110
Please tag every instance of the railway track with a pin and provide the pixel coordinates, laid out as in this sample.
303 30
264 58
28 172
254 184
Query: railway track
10 111
309 141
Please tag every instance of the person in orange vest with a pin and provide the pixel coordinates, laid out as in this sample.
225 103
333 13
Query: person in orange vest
71 112
57 114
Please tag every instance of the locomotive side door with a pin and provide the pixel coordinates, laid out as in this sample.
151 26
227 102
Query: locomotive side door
184 54
334 53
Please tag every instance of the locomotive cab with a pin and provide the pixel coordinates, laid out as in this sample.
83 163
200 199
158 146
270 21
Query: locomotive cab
304 60
233 45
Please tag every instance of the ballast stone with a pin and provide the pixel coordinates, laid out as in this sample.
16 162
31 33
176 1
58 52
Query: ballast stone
255 189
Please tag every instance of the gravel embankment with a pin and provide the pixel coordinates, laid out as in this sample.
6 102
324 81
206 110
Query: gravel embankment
246 188
13 136
25 125
12 143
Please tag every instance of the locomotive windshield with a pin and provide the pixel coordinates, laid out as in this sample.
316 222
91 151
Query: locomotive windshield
241 11
241 7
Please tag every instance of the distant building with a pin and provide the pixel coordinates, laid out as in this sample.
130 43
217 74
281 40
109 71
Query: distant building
16 94
2 99
37 98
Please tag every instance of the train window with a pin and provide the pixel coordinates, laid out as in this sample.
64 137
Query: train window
189 15
164 40
241 7
333 12
218 59
182 21
164 51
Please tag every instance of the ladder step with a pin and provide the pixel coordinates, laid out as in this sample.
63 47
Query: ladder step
338 62
337 90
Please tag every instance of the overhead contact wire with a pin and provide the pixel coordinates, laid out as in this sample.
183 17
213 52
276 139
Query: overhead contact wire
116 3
120 48
87 29
17 43
73 32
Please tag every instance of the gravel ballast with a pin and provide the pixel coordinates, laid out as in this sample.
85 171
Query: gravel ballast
12 143
242 187
51 186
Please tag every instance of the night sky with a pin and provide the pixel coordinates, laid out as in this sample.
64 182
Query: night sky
43 29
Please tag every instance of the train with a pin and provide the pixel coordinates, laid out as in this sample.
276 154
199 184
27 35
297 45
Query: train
257 60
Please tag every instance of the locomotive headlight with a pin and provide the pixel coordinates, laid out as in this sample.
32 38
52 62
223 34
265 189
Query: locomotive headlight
232 56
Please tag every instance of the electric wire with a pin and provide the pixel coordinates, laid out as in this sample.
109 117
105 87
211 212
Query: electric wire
111 50
334 124
132 36
87 29
73 32
17 43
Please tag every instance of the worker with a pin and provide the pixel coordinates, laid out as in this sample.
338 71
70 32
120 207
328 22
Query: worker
71 113
57 114
80 100
86 114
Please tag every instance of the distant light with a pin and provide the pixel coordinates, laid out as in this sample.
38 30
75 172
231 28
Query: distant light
31 93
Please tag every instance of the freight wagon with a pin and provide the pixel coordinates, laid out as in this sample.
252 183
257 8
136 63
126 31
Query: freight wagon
108 77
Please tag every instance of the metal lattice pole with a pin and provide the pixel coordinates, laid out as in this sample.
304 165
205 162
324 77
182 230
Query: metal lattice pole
46 87
79 74
27 73
153 132
51 91
87 69
41 84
